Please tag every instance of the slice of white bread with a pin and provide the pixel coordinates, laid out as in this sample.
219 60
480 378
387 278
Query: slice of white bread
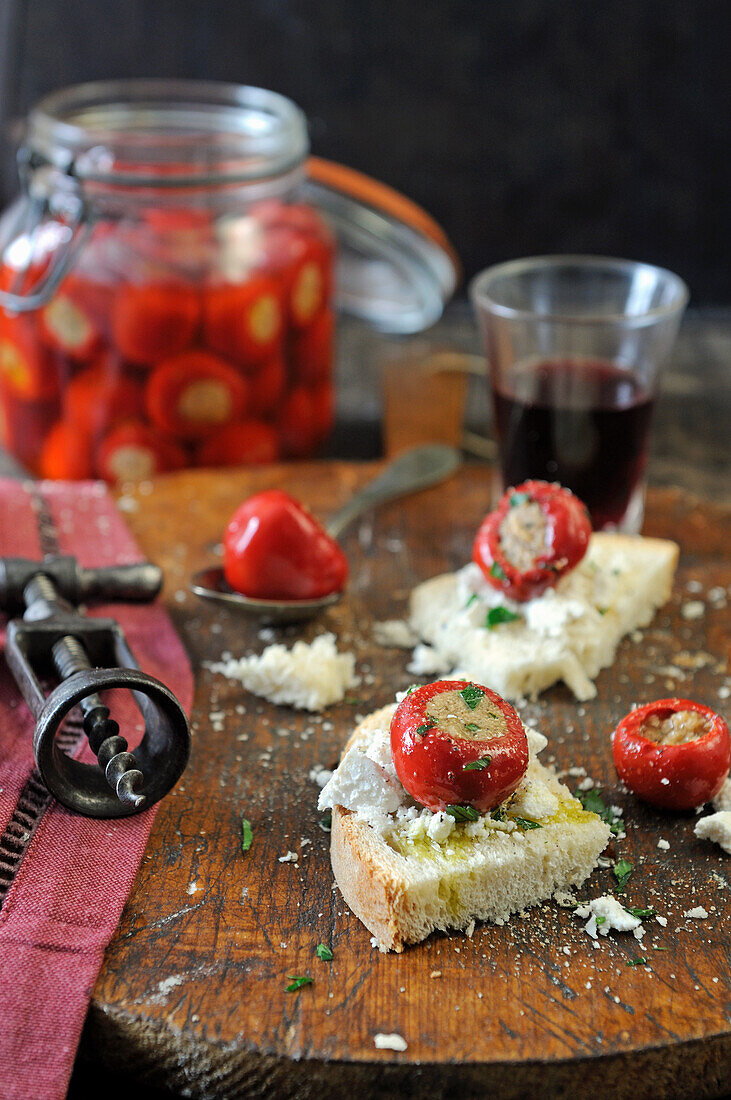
403 885
569 633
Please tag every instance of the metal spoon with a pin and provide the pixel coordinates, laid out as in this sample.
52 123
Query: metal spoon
413 470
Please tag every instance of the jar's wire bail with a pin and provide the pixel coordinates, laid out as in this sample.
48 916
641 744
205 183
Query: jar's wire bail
23 224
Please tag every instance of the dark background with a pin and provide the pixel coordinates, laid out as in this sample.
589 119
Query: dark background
523 126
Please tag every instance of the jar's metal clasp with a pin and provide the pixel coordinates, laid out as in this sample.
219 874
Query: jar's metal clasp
51 201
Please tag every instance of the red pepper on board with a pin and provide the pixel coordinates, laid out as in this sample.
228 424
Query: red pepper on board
673 753
538 533
458 744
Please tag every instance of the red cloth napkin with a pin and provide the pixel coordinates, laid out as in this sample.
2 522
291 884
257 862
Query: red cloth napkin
64 878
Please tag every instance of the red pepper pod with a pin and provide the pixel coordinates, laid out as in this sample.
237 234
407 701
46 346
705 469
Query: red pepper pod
537 534
192 395
66 453
456 743
65 327
133 451
273 549
153 321
245 322
673 753
244 443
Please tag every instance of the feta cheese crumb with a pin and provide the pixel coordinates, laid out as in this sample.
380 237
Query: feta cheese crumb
291 857
365 782
392 1041
699 913
425 661
586 784
716 827
663 845
722 801
614 915
662 921
394 634
310 677
693 609
320 775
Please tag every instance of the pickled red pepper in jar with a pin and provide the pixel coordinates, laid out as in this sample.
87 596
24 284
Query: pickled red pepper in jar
168 298
126 380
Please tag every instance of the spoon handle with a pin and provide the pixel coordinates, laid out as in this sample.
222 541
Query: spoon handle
413 470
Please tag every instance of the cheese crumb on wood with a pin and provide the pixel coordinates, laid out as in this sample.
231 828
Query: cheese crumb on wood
663 845
722 801
605 914
391 1041
716 827
394 634
309 677
699 913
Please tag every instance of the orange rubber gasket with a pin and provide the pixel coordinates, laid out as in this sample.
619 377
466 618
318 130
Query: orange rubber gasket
384 198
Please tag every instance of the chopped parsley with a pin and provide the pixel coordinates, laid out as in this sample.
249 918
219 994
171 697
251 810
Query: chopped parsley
472 695
298 980
247 835
477 765
516 499
497 615
470 601
462 813
600 920
641 914
326 821
593 802
622 870
353 700
496 570
471 727
324 952
602 610
636 962
412 689
526 823
425 727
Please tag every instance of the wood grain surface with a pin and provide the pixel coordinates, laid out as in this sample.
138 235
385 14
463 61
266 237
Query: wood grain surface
192 994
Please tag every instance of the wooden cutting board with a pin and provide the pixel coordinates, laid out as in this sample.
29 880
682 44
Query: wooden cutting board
192 993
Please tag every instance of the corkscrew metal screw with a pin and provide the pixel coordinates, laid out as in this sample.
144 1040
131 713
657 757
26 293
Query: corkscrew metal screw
88 656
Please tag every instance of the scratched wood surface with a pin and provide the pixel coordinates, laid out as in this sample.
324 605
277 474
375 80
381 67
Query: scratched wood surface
192 996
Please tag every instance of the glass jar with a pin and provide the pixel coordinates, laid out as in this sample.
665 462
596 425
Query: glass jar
169 286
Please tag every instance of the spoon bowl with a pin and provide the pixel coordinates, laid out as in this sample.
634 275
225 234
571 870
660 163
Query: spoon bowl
413 470
211 585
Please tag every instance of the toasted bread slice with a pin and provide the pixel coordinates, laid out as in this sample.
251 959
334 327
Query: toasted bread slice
403 884
569 633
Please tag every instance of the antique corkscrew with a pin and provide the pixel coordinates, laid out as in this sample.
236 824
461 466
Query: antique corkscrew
88 656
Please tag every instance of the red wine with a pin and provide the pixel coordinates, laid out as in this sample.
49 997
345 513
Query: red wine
582 422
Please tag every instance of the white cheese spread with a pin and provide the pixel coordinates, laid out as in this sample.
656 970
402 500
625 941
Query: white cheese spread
365 782
568 633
